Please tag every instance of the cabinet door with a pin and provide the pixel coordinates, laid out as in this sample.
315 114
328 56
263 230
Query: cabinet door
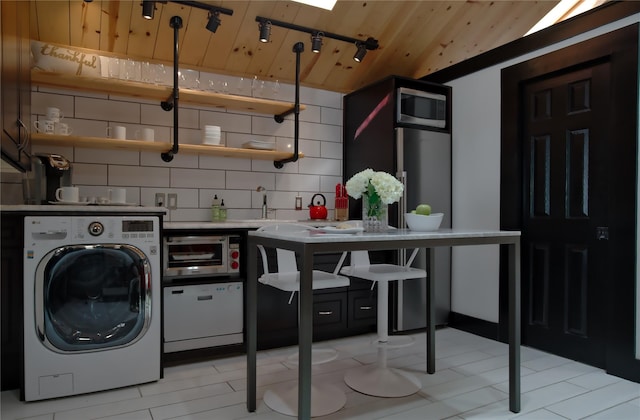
11 300
15 88
362 310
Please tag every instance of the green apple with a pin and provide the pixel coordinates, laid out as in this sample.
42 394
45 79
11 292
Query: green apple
413 212
423 209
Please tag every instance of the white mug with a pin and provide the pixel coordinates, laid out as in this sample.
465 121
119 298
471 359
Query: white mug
63 129
45 126
119 132
147 134
117 195
68 194
54 114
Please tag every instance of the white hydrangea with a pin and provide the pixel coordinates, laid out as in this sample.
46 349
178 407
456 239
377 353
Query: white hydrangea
359 183
386 186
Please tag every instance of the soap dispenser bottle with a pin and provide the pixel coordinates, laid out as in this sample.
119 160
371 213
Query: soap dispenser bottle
223 212
215 209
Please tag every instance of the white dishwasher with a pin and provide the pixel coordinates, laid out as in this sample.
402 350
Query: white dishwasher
202 315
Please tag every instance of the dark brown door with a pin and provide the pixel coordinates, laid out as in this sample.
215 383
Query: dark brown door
568 173
565 213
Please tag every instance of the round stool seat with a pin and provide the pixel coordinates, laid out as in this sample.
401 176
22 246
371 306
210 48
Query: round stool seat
382 381
325 399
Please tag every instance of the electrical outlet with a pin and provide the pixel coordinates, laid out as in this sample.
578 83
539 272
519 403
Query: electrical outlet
172 201
160 200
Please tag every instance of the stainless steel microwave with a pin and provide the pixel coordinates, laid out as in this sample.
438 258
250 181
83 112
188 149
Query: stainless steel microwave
422 108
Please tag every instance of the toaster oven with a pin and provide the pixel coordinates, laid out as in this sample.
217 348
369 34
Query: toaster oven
200 256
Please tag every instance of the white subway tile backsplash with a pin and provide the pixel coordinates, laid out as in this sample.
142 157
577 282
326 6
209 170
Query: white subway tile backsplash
331 116
321 166
320 97
297 182
194 177
331 150
41 101
227 121
89 128
310 148
180 160
138 175
316 131
250 180
268 126
115 111
65 151
268 166
123 157
328 183
197 178
89 174
188 118
233 199
311 113
224 163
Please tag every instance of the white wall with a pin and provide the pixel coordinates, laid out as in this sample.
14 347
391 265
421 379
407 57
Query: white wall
476 180
196 178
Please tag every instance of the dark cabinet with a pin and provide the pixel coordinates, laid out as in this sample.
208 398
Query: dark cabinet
11 298
339 312
15 86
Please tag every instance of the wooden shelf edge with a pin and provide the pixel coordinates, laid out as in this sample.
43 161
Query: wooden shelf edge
160 93
104 143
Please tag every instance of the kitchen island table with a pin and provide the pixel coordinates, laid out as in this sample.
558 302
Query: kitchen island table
309 243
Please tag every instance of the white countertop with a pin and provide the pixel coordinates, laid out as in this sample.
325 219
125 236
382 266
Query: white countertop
81 209
241 224
312 237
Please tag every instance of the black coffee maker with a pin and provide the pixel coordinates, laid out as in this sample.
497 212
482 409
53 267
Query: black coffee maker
48 173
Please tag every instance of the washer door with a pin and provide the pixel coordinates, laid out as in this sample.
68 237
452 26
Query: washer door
92 297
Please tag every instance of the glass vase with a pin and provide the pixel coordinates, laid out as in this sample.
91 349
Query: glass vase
374 215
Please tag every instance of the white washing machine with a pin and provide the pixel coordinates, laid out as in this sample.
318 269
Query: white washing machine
92 316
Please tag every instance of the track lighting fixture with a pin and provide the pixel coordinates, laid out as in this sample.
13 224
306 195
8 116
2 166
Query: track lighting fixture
317 36
265 30
214 21
360 53
149 6
148 9
316 42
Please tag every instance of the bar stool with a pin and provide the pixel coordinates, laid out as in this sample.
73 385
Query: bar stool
283 398
378 379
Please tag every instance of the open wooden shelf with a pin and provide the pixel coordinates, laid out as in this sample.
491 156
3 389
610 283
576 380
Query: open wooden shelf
160 93
104 143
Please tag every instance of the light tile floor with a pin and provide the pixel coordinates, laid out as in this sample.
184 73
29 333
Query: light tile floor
471 381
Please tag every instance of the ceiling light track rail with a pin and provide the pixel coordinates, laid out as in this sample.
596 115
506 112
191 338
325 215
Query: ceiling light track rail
265 25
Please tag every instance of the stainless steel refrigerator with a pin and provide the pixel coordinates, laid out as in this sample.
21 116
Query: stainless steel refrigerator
380 133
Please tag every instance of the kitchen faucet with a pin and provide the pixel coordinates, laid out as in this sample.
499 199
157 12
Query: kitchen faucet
263 190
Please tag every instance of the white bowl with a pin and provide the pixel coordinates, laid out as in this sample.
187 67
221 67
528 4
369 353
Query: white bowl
422 223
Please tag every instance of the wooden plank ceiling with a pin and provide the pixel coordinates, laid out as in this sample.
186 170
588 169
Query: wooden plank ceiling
415 37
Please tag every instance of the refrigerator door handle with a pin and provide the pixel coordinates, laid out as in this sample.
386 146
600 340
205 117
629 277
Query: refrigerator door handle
402 208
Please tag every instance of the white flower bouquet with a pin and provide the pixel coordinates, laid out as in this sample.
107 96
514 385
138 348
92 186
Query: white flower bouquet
377 189
375 184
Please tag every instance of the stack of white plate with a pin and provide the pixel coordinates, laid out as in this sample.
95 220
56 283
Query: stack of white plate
211 135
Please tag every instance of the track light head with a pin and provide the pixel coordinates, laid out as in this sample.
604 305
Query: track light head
316 42
265 30
148 9
214 21
360 53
